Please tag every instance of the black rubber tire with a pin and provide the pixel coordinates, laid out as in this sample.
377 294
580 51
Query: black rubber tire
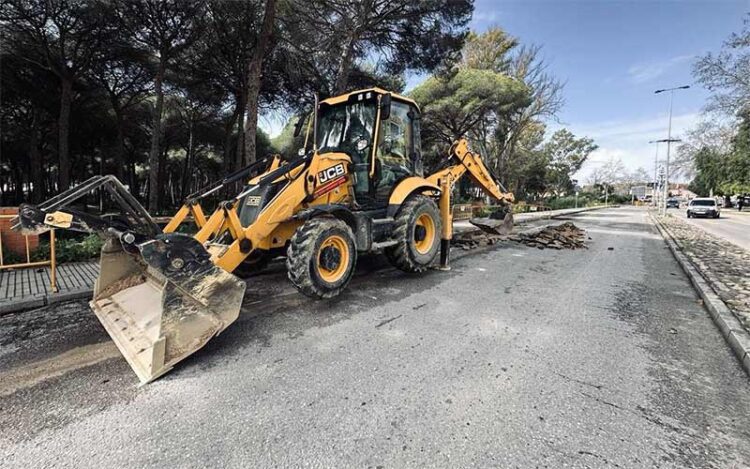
302 257
254 264
404 255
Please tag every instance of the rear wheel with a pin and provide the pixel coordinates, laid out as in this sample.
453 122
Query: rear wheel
321 257
416 228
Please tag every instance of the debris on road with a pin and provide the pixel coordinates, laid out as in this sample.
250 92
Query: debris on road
564 236
475 239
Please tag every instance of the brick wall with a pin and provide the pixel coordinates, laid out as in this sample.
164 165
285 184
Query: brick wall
13 241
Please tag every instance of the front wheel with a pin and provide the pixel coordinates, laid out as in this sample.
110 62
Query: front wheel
255 263
321 257
416 228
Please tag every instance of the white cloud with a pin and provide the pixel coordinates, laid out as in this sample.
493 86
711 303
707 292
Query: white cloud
484 16
647 71
628 140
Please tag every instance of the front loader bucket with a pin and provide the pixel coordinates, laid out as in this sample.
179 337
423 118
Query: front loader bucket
163 301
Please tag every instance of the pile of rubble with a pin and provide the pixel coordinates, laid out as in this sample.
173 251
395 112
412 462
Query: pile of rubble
563 236
475 239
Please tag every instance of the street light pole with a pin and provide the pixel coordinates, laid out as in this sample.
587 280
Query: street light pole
661 203
656 177
665 189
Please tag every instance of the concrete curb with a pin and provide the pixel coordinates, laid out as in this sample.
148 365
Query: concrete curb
535 216
550 214
729 326
43 300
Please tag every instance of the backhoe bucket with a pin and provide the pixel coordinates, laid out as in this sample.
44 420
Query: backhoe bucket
496 226
163 300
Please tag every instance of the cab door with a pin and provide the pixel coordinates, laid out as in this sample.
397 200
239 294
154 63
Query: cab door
397 154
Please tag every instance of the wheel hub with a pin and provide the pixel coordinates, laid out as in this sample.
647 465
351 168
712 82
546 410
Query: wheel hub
420 233
330 258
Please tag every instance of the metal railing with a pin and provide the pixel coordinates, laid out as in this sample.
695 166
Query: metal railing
51 262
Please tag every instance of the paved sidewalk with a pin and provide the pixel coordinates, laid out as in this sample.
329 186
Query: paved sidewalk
30 287
724 265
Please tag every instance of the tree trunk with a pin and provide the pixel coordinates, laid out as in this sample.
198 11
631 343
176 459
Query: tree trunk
63 132
186 171
154 156
35 160
133 177
345 66
228 128
239 160
253 80
162 178
18 184
119 156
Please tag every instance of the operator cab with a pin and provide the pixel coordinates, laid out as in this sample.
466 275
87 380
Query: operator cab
380 132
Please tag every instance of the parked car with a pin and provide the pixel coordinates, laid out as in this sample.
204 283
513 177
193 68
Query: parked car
673 203
703 207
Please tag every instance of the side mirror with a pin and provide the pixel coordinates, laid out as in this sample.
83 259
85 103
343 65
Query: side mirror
385 106
362 144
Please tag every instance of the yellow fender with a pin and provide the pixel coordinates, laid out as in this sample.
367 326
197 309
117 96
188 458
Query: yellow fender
407 187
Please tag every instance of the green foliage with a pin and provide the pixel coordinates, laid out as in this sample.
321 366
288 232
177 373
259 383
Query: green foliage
118 58
566 154
725 73
77 249
489 51
724 173
496 97
724 167
457 105
73 250
286 143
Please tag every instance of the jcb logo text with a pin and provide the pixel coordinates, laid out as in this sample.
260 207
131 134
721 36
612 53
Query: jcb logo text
331 173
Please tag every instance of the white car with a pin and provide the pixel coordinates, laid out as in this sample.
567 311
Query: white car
703 207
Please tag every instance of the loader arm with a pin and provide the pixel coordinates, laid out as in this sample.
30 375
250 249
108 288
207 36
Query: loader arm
191 207
464 161
58 212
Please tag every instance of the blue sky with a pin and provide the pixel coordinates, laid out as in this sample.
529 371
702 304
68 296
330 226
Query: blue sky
613 55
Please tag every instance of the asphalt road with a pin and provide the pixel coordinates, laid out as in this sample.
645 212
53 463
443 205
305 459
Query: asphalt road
517 357
733 226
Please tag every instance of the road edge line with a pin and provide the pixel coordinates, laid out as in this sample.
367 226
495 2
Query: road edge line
730 327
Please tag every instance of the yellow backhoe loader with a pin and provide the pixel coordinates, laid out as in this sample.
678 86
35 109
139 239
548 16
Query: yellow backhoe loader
161 295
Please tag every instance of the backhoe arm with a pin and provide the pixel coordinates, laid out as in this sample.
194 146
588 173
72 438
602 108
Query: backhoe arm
465 161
